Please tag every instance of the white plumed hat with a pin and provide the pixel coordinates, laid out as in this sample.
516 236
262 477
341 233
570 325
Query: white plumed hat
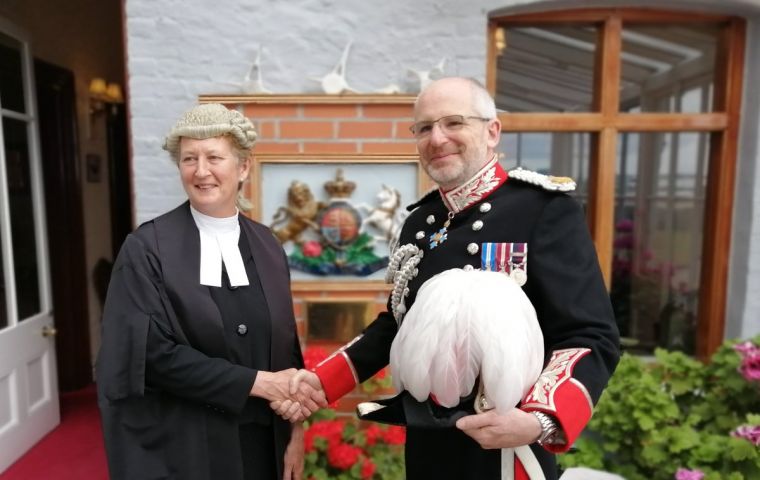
465 324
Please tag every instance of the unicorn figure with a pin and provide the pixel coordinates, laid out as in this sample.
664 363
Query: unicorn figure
387 218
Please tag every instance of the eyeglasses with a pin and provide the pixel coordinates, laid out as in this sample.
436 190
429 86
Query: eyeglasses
447 124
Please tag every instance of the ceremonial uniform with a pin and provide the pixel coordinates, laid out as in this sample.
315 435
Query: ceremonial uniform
178 359
517 225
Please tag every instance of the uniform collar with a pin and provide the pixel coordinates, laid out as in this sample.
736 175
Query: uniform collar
485 181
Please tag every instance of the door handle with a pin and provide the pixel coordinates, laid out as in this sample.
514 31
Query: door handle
49 331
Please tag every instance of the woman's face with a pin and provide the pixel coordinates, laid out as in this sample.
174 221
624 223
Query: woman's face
210 172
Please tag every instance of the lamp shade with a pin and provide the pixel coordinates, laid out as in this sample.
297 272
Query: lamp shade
113 93
97 87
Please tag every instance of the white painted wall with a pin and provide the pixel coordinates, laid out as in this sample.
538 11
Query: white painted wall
178 50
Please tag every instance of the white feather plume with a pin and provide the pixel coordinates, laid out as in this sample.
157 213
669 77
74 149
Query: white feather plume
464 324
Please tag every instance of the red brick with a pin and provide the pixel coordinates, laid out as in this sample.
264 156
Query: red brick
330 147
306 129
402 130
256 111
364 130
330 111
388 111
389 148
267 130
276 147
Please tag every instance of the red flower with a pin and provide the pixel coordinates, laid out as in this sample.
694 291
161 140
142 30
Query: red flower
381 374
311 249
368 469
330 430
313 355
395 435
372 434
343 456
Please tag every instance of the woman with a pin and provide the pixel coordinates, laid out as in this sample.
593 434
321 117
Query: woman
198 315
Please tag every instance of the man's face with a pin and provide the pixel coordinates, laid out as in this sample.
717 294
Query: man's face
452 156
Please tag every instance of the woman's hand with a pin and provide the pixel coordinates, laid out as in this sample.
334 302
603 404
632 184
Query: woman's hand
294 454
276 387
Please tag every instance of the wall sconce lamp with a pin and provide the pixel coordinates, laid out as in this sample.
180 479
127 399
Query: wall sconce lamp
103 94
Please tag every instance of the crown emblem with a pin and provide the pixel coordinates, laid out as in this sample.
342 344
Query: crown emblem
340 188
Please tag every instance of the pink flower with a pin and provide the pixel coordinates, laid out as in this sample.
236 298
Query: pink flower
746 348
748 432
624 225
750 367
684 474
311 249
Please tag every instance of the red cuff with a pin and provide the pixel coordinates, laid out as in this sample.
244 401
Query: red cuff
560 395
336 376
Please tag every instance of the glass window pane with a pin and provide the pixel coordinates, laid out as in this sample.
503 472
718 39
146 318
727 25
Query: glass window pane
546 69
17 165
668 68
11 78
555 153
659 211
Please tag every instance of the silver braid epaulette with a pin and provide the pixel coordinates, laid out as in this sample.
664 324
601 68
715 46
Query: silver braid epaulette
402 268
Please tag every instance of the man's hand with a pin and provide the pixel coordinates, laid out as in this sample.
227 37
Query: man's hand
276 387
301 383
491 430
294 455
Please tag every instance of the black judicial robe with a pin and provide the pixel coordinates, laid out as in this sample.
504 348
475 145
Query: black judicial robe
174 412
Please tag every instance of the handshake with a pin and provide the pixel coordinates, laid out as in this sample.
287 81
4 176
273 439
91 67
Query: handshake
292 394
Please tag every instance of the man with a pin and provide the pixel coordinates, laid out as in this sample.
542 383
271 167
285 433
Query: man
479 208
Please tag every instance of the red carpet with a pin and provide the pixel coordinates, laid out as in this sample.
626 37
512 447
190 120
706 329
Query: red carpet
73 450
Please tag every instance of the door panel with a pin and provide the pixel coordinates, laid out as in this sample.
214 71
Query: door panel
28 380
28 390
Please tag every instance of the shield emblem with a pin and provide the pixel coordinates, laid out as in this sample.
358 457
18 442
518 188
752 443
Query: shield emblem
339 224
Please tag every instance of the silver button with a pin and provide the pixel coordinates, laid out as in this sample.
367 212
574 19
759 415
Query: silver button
242 330
420 235
430 219
468 268
473 248
477 225
485 207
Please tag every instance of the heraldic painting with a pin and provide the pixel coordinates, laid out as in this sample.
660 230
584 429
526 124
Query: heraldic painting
339 219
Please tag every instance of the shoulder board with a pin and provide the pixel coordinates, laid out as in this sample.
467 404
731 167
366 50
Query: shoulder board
547 182
433 192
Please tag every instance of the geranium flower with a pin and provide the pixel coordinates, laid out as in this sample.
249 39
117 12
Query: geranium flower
746 348
343 455
311 249
395 435
372 434
684 474
748 432
750 367
312 356
368 468
330 430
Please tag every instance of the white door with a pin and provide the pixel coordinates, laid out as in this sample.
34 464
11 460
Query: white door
28 380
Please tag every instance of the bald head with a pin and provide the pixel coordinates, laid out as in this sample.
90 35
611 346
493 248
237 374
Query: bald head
468 89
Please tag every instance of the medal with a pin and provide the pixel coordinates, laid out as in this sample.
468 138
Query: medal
518 263
519 276
441 235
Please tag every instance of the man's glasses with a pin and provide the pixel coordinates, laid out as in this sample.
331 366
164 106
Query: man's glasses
447 124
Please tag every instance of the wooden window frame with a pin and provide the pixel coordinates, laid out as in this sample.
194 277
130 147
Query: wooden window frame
605 122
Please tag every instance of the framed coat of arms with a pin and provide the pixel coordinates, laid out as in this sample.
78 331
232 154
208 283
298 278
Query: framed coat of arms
337 216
